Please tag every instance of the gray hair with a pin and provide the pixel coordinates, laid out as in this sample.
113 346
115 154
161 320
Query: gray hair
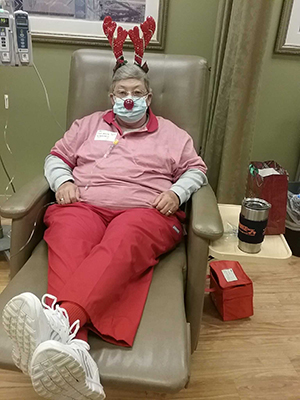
130 71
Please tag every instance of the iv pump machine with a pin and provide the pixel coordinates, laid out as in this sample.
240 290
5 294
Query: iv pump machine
15 39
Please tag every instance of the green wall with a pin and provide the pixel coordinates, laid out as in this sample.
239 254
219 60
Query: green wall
277 129
31 128
190 30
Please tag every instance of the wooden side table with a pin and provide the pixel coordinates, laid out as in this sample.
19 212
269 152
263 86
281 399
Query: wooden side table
274 247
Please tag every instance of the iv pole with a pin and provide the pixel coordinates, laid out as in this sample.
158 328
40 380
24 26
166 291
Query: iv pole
4 231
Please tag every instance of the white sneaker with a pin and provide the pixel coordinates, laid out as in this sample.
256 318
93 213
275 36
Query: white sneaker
65 371
28 323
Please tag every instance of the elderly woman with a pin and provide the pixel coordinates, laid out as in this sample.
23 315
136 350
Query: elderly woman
119 178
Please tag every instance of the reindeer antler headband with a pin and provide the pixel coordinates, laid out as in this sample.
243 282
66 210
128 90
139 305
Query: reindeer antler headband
139 43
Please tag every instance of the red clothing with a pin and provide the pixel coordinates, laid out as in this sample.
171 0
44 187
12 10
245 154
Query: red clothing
103 259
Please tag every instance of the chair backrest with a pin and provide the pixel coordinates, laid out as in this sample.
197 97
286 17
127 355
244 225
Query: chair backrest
179 86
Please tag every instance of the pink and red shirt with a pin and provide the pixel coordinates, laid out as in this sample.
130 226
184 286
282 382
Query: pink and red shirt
117 169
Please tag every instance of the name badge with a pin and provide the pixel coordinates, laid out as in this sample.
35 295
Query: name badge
107 136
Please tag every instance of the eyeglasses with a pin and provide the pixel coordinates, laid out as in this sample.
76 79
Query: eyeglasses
136 93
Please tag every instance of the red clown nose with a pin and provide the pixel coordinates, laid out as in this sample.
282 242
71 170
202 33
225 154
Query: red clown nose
128 104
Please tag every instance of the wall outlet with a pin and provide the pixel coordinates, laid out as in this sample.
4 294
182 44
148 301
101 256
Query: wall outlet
6 102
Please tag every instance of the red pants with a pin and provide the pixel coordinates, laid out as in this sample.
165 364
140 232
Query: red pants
103 260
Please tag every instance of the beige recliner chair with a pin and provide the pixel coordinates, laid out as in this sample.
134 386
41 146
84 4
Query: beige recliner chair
168 333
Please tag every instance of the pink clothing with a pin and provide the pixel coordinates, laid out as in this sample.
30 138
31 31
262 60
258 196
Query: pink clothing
125 170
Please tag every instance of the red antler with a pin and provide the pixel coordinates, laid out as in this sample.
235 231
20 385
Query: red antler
117 43
148 28
109 27
140 44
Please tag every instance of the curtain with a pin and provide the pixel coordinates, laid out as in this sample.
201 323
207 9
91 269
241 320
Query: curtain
240 43
297 178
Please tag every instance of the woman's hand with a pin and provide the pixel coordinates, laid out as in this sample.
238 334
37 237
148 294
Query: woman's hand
67 193
167 203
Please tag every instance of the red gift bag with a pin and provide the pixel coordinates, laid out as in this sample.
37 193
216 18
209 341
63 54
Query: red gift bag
231 290
271 186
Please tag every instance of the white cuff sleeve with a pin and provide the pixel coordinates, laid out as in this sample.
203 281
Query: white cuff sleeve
188 183
57 172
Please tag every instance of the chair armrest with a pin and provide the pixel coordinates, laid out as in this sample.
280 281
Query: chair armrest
206 220
205 224
26 208
18 205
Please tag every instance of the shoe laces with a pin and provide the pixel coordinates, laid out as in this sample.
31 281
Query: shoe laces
59 319
80 343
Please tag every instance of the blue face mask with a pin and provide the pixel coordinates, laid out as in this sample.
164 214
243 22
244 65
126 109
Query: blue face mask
135 114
